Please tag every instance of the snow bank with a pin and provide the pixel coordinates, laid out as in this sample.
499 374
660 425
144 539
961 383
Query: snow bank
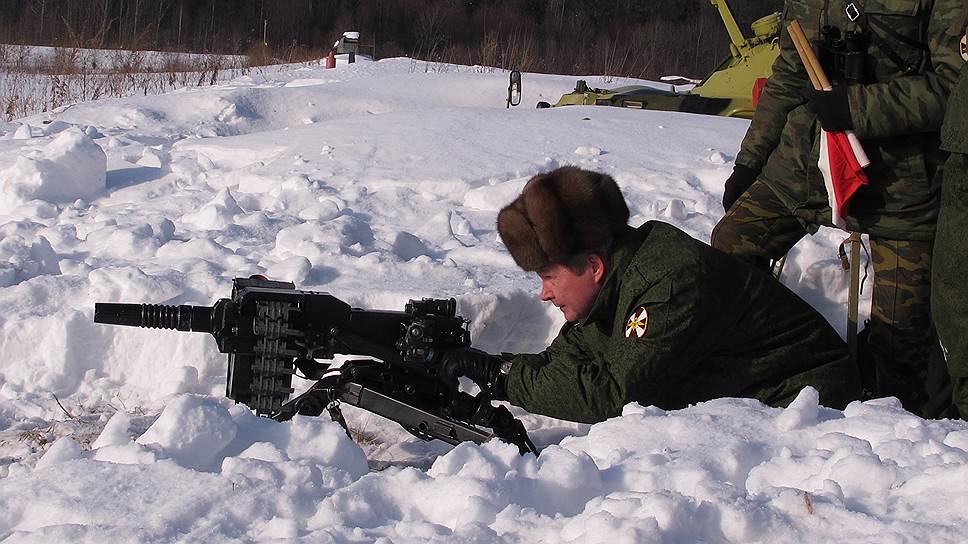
21 258
723 471
251 459
68 168
191 430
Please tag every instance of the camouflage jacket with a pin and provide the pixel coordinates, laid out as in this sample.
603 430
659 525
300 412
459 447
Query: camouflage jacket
897 115
678 322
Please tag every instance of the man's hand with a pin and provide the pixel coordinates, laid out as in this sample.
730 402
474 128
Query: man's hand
484 369
832 108
738 182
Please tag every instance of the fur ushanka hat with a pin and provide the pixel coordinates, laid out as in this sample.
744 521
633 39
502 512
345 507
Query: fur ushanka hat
560 214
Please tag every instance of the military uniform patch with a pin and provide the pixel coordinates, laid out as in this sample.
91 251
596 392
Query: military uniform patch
637 324
964 47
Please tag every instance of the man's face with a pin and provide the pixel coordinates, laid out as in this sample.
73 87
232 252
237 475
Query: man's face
572 292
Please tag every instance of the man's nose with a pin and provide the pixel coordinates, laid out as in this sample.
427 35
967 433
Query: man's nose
546 292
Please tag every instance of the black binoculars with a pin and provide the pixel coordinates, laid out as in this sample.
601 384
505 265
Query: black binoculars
843 55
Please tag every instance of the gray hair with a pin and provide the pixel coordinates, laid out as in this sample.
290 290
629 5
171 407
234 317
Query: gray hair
578 262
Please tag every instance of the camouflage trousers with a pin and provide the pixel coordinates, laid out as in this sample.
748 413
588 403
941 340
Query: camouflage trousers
759 227
949 298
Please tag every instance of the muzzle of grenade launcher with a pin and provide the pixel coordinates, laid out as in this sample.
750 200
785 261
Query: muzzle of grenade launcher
260 365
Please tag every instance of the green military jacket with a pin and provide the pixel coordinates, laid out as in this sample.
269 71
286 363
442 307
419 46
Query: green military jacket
678 322
897 116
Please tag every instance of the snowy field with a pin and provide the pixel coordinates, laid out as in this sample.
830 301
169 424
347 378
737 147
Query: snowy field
380 182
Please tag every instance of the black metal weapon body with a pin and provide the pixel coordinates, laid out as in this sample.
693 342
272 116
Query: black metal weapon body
269 330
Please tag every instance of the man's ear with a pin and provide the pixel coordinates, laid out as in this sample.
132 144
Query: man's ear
597 266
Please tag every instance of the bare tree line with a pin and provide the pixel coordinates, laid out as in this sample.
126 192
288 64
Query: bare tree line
637 38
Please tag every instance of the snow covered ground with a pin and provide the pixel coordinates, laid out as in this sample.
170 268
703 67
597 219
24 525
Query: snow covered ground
380 182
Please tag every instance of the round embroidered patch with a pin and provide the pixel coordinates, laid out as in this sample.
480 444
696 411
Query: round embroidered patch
964 47
637 324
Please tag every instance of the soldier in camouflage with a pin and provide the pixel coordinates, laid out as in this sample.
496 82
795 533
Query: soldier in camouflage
653 315
949 295
893 99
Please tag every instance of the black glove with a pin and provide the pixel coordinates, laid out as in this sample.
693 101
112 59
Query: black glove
484 369
738 182
832 108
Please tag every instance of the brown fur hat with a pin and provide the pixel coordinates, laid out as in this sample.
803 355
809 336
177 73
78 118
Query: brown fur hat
561 214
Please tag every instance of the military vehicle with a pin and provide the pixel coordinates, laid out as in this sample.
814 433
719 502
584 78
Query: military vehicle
729 90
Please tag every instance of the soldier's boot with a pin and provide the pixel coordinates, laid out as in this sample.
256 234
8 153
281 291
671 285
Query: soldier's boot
757 228
902 341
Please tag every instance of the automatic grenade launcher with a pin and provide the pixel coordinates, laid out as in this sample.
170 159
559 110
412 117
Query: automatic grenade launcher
270 331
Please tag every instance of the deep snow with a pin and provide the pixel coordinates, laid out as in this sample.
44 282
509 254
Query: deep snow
380 182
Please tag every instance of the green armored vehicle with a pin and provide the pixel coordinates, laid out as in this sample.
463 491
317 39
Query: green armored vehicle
728 90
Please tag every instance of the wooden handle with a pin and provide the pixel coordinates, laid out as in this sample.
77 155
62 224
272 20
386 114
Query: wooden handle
814 71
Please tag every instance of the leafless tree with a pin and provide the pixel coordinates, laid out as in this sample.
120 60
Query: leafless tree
641 38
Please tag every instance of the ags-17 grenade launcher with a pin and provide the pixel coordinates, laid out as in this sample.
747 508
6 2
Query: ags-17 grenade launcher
270 330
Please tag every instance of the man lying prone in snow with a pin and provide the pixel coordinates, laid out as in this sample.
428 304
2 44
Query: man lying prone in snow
653 315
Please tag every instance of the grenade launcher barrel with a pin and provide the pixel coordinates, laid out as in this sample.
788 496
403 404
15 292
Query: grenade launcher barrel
155 316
